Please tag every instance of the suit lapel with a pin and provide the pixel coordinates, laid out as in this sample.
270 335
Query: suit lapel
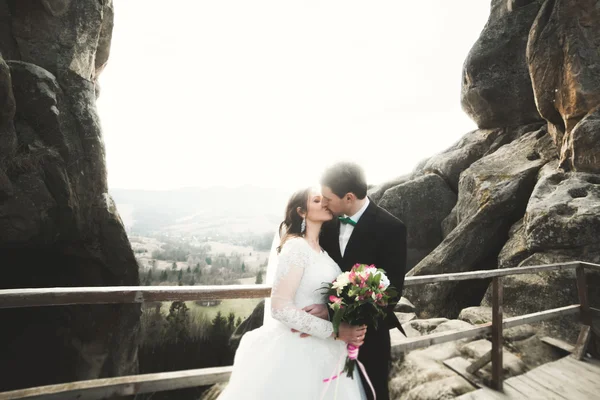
331 241
360 230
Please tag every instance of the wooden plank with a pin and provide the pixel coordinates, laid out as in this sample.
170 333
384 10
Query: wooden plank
123 386
497 339
531 389
480 363
541 316
582 342
585 382
559 344
586 366
437 338
460 366
559 387
482 329
463 276
14 298
489 394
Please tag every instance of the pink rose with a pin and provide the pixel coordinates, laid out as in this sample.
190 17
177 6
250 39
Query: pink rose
334 299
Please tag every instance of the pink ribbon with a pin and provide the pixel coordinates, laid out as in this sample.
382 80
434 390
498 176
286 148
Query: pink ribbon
353 355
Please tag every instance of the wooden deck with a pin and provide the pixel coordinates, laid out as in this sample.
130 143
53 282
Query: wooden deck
566 378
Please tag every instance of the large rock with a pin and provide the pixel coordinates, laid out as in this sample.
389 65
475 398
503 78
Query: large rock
422 204
58 225
492 196
563 54
496 87
563 211
515 249
376 192
421 374
470 148
583 144
63 36
8 136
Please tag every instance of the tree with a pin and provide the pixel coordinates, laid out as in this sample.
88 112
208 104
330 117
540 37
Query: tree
178 321
259 278
219 324
231 322
155 327
193 281
243 267
208 260
149 278
163 276
238 322
189 270
180 275
174 266
197 269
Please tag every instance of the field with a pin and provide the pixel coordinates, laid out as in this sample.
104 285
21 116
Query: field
240 307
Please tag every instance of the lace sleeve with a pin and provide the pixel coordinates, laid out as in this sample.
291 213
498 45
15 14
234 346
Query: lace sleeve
293 260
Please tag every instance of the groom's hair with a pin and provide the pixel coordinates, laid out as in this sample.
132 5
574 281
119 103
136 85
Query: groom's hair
345 177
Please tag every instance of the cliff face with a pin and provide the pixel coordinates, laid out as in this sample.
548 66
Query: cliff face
58 225
524 188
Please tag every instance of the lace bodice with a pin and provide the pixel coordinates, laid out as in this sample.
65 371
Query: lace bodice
301 273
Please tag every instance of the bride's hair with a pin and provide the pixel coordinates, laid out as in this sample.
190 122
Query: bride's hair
291 225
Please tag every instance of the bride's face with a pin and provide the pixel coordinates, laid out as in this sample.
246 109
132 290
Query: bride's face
317 212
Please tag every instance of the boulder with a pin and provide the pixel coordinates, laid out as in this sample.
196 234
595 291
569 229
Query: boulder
58 225
563 54
492 196
422 204
496 86
563 211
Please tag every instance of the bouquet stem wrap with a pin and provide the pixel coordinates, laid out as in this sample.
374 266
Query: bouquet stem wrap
351 361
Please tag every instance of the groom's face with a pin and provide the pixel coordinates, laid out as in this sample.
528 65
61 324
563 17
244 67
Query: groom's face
332 202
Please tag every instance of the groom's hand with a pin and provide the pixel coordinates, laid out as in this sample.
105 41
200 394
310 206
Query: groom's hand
318 310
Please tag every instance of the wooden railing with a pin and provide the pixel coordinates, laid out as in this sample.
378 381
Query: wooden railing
147 383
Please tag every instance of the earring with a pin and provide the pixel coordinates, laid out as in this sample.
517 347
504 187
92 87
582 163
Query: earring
303 225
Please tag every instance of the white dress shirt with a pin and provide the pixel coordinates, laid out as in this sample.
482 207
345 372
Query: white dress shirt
347 229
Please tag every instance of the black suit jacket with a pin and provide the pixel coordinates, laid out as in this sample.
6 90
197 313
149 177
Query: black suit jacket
378 238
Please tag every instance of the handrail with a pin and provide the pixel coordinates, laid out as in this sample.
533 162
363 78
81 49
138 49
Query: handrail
137 384
61 296
38 297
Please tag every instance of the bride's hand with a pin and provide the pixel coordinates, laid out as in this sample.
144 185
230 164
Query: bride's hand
352 334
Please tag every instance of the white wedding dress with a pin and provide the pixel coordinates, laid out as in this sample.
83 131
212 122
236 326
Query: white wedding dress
274 363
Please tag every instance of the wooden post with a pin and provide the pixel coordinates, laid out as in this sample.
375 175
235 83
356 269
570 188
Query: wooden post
497 342
586 316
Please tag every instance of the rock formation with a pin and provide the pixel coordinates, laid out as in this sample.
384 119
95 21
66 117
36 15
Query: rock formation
58 225
527 180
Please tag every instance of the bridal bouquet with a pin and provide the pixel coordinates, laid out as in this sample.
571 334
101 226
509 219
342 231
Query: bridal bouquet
359 297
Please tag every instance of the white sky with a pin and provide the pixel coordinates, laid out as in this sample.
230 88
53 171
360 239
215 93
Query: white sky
201 93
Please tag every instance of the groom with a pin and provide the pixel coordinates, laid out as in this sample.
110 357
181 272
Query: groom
364 233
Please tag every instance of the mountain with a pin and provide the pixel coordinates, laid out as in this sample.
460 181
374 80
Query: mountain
201 211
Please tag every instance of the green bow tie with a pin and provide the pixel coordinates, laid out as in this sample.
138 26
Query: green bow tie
347 220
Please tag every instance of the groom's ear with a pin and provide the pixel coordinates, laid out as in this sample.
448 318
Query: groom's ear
350 196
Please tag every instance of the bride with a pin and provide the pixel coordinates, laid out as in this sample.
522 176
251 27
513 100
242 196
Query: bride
272 362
